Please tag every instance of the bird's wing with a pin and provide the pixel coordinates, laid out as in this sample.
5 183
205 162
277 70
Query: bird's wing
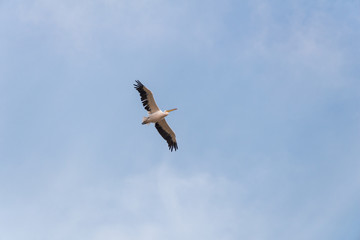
168 134
147 98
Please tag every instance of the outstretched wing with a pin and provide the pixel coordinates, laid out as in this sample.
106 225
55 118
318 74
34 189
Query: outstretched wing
168 134
147 98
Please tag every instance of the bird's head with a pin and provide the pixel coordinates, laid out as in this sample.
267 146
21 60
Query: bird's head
167 111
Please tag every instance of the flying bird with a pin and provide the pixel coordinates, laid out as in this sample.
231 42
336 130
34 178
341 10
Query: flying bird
155 115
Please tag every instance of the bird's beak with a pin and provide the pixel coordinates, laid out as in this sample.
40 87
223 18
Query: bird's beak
171 110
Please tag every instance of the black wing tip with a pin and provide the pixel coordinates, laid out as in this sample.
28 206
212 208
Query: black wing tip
173 146
143 95
138 84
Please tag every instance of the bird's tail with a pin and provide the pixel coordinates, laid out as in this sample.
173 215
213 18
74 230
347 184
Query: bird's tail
144 121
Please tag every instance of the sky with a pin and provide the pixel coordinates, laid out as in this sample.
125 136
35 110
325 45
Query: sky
268 120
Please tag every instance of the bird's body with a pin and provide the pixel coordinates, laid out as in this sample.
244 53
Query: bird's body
155 115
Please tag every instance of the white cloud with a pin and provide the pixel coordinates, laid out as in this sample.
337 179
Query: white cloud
161 204
165 203
89 25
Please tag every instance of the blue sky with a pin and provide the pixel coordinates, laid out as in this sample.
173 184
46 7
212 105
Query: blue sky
268 124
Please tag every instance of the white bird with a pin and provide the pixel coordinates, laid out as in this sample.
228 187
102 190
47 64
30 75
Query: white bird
156 115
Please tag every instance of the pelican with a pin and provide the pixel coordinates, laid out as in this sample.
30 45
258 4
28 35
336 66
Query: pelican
155 115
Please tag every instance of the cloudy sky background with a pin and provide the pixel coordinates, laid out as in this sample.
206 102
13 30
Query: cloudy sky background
268 124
